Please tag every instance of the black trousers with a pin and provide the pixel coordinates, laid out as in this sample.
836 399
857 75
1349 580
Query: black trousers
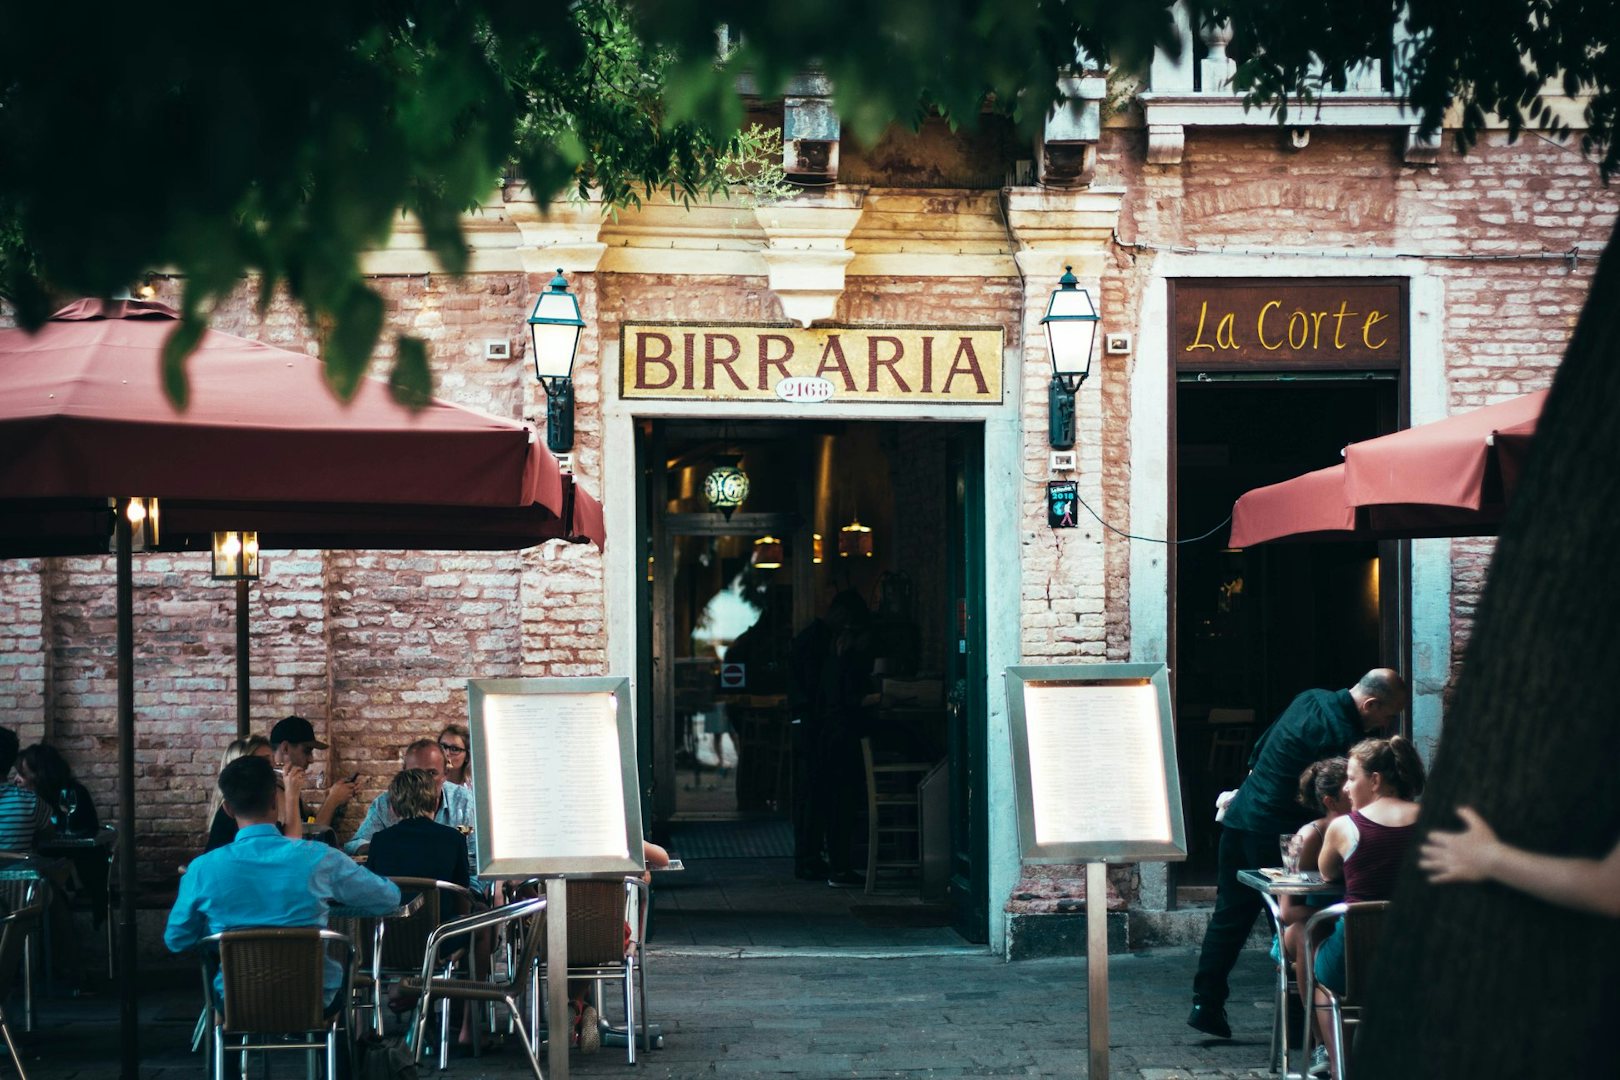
1236 906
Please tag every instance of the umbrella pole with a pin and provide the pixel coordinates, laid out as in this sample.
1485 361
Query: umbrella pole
244 723
128 1020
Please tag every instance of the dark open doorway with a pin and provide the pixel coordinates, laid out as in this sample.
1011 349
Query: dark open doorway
1252 628
730 757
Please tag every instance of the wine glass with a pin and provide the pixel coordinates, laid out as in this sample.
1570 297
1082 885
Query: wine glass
70 806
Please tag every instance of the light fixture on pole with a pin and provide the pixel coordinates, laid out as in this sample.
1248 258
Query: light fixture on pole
767 553
726 486
555 327
236 558
1071 332
144 516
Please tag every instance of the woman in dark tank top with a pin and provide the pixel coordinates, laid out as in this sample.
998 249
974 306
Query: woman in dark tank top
1367 846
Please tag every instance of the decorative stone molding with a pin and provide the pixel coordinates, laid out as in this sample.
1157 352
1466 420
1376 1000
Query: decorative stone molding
1166 143
1055 229
805 253
1420 150
564 233
1216 70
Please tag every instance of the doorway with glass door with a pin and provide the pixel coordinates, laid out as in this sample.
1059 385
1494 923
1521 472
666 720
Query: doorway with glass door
804 669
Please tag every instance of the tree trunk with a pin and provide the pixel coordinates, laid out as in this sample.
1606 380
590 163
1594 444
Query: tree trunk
1480 980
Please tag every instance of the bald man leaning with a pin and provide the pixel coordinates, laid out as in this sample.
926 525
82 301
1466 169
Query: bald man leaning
1317 724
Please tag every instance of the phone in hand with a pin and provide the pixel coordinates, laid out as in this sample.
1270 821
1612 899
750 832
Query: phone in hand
353 777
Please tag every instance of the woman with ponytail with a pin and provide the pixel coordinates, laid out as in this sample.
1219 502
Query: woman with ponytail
1366 847
1321 788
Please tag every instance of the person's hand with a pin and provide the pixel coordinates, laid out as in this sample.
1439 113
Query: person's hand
341 792
1456 857
292 780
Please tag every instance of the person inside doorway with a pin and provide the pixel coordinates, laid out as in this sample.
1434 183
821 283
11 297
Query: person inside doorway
831 678
1317 724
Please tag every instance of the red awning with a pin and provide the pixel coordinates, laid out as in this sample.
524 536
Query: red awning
1453 477
264 443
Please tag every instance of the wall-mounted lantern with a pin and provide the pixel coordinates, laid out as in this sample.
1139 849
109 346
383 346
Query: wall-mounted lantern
555 326
1071 332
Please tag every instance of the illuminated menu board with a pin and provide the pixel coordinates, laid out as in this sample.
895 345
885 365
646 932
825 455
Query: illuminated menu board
554 776
1094 763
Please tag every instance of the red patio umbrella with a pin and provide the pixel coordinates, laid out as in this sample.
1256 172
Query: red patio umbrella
264 445
1453 477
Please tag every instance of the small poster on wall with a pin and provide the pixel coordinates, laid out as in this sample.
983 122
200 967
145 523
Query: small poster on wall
1094 763
1061 497
556 781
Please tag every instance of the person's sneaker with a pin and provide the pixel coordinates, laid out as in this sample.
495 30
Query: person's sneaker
1211 1020
590 1032
845 879
1320 1066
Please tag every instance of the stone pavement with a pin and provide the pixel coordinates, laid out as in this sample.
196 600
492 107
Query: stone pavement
760 1012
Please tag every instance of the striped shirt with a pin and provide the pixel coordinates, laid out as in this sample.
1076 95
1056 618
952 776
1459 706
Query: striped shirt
22 815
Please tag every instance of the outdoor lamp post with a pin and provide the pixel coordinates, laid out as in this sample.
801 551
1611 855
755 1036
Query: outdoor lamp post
555 326
1071 331
236 558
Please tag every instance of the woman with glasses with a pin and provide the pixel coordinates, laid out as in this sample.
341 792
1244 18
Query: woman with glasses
454 743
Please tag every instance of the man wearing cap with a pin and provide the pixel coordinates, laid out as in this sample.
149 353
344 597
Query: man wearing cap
293 743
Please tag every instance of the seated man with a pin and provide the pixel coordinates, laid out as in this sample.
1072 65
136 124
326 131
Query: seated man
265 879
23 815
417 846
452 804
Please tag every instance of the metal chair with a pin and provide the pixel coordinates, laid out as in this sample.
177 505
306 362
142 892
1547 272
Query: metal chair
522 976
598 914
397 946
893 815
15 931
31 887
274 983
1363 929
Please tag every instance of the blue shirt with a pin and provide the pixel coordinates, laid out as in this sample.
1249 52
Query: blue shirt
455 810
265 879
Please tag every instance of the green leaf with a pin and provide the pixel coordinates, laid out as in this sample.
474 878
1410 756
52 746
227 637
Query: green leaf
179 345
355 327
411 382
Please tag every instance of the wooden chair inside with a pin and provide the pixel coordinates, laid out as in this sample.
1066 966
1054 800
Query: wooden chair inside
894 817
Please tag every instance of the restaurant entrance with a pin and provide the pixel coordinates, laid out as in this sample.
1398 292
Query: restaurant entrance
1252 628
743 777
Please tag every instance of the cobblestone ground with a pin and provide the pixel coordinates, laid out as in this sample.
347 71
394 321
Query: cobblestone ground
781 1014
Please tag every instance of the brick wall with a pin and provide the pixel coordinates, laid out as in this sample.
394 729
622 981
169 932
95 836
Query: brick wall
1482 224
374 647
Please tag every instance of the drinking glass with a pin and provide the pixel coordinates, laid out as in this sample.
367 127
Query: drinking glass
1287 844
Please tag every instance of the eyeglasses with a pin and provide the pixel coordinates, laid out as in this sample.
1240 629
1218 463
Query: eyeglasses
451 748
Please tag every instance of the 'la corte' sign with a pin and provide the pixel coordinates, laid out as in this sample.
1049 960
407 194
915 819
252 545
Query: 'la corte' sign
935 365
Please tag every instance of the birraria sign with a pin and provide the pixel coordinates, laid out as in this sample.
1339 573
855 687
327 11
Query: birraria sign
933 365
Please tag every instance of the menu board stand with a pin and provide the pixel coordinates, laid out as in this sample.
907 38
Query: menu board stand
1095 778
556 798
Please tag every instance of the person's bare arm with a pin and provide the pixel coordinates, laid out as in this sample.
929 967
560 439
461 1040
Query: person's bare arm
336 796
1477 854
292 789
1330 860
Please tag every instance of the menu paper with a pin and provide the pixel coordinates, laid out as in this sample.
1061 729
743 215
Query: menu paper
556 767
1096 764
